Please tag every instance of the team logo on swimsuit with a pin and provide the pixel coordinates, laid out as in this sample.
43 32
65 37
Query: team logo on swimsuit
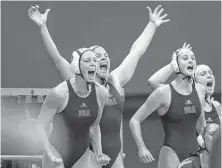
83 105
188 102
83 112
209 120
111 101
190 110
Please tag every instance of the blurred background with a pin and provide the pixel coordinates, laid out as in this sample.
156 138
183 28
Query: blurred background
115 26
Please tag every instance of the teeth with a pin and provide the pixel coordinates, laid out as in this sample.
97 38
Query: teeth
209 84
103 67
103 62
91 73
190 67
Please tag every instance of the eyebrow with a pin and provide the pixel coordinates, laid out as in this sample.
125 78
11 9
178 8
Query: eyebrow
201 71
183 56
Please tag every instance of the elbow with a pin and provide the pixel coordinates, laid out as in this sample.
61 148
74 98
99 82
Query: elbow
94 128
152 84
132 123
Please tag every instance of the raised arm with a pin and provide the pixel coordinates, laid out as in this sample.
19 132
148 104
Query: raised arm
160 77
153 102
126 69
61 64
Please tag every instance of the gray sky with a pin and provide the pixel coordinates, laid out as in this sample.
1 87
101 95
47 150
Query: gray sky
115 26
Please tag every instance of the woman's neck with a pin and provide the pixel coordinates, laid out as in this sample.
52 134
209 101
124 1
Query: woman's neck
80 86
100 80
208 103
183 85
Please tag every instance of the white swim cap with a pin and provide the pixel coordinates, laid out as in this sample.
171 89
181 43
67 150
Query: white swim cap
76 58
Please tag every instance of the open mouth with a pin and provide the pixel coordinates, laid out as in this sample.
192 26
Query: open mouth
103 66
190 67
209 84
91 73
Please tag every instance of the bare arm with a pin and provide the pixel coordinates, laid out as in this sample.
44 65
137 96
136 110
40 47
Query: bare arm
126 69
95 133
121 138
153 102
102 98
61 64
215 157
49 108
160 77
201 122
218 108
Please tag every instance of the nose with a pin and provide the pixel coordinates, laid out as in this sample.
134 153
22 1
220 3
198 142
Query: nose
92 63
190 60
208 75
103 58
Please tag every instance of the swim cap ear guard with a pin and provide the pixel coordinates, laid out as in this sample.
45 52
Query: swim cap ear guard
201 138
75 61
193 161
174 62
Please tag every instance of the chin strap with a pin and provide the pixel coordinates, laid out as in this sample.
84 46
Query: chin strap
189 78
80 56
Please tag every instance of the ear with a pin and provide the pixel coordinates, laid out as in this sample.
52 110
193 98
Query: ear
174 62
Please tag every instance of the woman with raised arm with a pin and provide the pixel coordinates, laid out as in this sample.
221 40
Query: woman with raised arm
180 106
203 75
75 106
111 121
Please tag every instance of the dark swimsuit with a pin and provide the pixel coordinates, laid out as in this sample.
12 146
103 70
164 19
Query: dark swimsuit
70 135
179 123
110 124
